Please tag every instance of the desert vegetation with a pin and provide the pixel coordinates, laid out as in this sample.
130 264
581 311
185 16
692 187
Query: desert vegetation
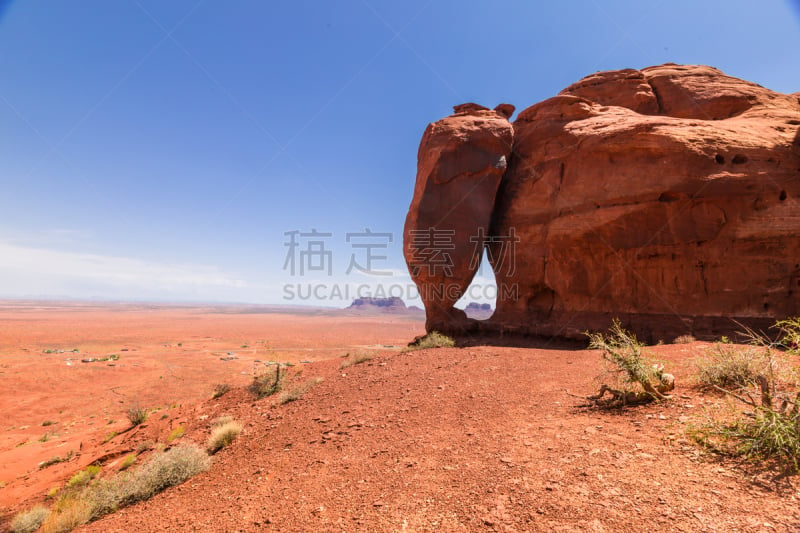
220 390
175 434
224 431
30 520
636 378
729 366
297 391
762 381
136 414
87 497
355 359
434 339
269 382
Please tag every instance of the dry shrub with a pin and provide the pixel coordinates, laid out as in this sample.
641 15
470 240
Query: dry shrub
769 428
269 382
355 359
68 515
297 392
220 390
635 377
30 520
167 469
79 505
434 339
136 414
729 366
221 421
223 435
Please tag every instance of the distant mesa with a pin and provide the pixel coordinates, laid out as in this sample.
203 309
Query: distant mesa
478 311
666 197
382 305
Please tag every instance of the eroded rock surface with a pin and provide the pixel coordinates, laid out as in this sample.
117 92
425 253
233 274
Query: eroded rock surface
460 163
667 197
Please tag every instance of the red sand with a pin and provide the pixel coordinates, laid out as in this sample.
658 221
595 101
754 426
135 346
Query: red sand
453 439
169 355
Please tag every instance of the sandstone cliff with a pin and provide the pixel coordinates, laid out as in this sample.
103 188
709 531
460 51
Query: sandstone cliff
667 197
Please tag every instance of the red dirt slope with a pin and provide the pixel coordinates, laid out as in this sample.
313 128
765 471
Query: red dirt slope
467 439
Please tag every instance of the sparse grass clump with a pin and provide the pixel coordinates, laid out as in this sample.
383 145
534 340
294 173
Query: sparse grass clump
269 382
56 459
30 520
221 421
128 461
222 435
684 339
729 366
136 414
84 476
175 434
81 504
297 392
220 390
434 339
635 377
355 359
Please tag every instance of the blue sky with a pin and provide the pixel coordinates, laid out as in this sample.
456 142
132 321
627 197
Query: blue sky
160 150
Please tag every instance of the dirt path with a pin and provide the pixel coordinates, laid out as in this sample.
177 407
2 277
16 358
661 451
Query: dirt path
468 439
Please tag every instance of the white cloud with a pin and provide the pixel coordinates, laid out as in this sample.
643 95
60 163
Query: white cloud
27 271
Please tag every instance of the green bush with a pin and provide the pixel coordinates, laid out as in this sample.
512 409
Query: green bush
175 434
128 461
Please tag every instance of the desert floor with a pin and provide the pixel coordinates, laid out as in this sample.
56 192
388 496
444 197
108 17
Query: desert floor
452 439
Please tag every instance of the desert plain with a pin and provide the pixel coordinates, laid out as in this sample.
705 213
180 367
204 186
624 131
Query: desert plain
488 436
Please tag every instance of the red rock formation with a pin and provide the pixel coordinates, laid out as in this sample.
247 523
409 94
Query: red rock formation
461 161
667 197
371 305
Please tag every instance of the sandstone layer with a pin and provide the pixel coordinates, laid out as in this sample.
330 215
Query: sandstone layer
667 197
